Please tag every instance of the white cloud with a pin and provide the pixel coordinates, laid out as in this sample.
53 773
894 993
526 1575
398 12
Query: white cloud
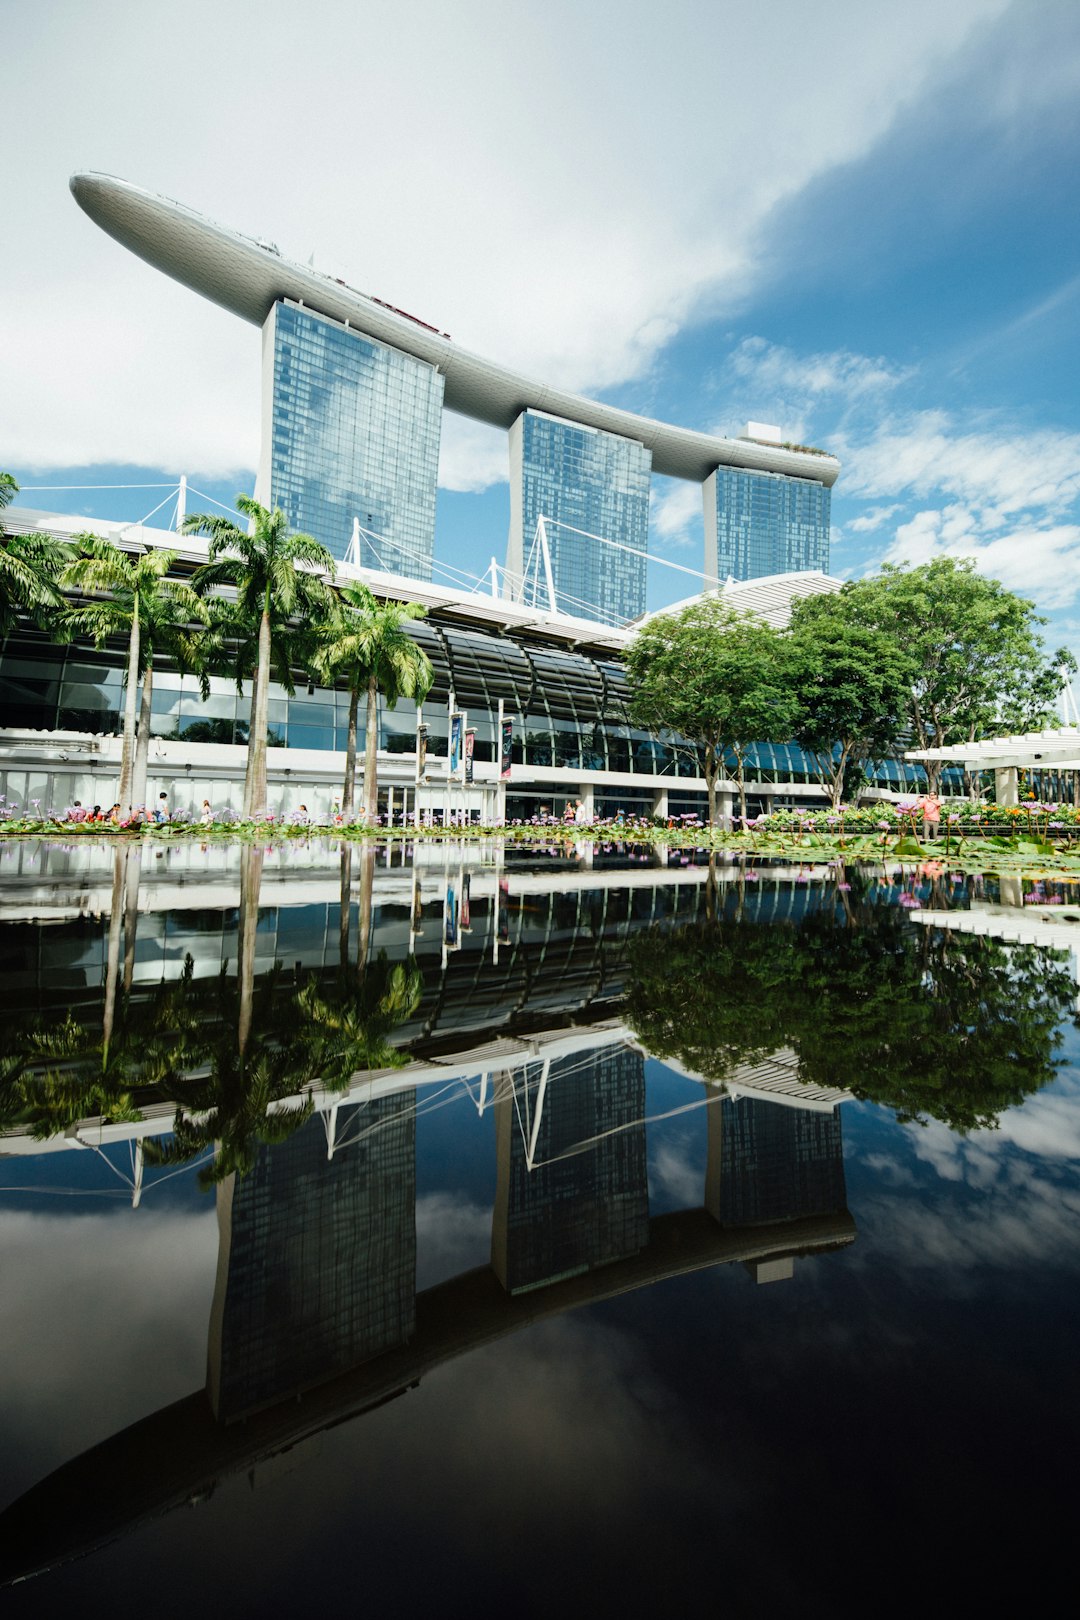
675 511
472 455
1031 559
778 373
565 210
874 519
998 467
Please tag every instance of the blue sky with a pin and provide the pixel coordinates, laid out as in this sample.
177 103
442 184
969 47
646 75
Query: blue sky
857 224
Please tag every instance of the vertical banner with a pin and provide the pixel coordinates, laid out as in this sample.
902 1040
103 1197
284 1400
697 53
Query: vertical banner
504 910
417 920
450 920
506 744
466 904
470 751
421 751
455 744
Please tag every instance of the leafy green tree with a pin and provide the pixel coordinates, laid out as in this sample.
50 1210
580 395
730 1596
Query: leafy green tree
366 644
131 596
852 685
716 676
978 658
276 576
30 569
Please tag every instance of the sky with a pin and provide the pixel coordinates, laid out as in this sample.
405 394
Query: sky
856 222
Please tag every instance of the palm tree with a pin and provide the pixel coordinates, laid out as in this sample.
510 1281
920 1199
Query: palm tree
30 568
367 644
273 574
131 595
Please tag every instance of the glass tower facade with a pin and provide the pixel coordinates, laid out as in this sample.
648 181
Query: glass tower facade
587 480
764 523
350 430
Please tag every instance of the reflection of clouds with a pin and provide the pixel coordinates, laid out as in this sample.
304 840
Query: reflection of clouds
452 1235
888 1168
105 1319
1046 1126
675 1175
1037 1224
568 1414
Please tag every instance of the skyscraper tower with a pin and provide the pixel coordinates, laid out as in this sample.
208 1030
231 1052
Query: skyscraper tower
587 484
350 432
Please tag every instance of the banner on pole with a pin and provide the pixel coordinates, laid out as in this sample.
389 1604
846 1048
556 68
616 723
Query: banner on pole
470 751
455 744
506 746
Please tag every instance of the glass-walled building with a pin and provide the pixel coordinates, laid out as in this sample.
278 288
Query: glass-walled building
759 523
350 432
579 479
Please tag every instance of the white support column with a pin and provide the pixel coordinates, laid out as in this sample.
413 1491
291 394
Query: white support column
390 804
482 1104
1007 785
545 551
137 1183
330 1126
541 1094
588 800
660 803
181 503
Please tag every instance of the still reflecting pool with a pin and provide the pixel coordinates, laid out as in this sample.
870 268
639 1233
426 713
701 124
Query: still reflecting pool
455 1225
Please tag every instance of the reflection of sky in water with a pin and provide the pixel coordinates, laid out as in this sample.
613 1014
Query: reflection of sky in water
706 1440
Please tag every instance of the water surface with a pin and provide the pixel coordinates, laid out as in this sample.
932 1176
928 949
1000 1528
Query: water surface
456 1226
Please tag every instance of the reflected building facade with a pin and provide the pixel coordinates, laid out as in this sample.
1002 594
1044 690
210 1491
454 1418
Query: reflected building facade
761 523
579 478
572 1190
351 430
317 1258
772 1162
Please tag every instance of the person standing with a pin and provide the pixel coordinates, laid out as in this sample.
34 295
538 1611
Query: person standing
162 811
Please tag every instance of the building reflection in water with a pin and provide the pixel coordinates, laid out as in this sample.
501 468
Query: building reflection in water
317 1257
572 1190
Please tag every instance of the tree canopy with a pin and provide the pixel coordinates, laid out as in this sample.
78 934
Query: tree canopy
978 661
718 677
932 1024
852 685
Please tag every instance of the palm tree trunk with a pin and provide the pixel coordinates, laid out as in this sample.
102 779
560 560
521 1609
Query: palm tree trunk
345 907
127 753
350 754
255 780
131 913
363 922
112 959
371 744
142 743
251 865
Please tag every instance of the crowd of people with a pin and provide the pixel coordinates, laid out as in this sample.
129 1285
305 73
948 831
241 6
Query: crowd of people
116 817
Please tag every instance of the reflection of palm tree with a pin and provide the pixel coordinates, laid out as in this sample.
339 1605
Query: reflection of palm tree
363 921
233 1112
348 1033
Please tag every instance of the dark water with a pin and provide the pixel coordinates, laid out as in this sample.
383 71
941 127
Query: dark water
571 1235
